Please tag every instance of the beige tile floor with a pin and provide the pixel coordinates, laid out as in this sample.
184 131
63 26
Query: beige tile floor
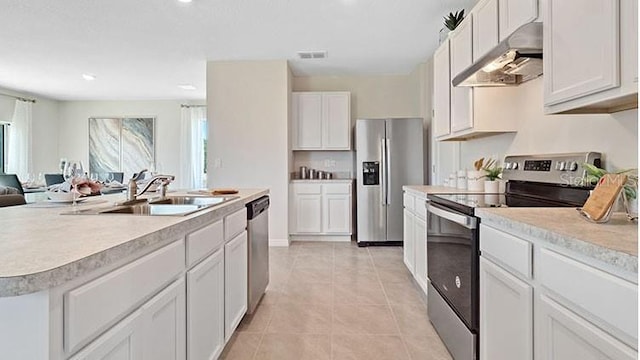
337 301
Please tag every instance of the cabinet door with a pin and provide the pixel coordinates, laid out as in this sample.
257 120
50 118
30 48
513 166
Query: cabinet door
336 121
506 314
308 213
205 310
336 214
461 58
235 283
307 116
485 27
515 13
409 242
441 91
581 57
122 342
165 324
562 335
420 249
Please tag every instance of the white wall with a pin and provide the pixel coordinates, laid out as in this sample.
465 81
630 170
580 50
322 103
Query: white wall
615 135
74 128
45 128
248 111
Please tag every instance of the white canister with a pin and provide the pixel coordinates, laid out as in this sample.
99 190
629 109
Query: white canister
491 187
475 180
452 180
462 179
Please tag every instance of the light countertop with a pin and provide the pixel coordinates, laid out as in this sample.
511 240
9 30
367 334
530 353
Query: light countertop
614 243
437 189
40 249
322 180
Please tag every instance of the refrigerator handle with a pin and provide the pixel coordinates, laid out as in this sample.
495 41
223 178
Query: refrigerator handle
383 173
387 170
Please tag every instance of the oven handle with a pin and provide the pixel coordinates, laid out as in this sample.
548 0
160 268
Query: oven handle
467 221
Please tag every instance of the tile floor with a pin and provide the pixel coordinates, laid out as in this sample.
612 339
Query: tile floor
337 301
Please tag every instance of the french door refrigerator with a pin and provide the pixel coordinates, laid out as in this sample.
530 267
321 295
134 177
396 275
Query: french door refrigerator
389 154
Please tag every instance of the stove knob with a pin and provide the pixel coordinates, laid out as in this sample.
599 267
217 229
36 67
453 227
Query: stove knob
514 166
573 166
563 166
507 166
558 165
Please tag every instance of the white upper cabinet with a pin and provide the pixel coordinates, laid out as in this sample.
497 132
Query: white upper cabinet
590 65
461 58
321 120
485 27
441 91
515 13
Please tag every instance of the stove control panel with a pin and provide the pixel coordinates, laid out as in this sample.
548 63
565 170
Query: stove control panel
550 168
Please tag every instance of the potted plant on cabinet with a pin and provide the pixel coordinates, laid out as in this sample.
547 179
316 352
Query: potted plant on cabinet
492 174
451 22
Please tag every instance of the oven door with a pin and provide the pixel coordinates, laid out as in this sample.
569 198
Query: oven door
452 260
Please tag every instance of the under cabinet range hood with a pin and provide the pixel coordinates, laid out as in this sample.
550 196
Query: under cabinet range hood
516 59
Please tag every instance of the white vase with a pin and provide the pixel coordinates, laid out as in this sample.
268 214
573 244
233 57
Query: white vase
475 180
491 186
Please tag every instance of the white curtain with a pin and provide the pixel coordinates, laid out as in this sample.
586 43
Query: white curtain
19 150
191 150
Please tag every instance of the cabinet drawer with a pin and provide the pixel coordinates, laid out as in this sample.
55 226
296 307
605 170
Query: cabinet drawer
235 223
92 307
608 298
507 249
201 243
307 188
408 201
337 189
420 205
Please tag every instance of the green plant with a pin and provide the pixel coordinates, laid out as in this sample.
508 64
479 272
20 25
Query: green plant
594 174
492 170
452 20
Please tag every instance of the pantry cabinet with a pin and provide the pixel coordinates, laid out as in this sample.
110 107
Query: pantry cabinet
322 208
515 13
590 65
321 120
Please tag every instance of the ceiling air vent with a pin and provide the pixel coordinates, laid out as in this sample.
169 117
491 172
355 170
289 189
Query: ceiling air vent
312 54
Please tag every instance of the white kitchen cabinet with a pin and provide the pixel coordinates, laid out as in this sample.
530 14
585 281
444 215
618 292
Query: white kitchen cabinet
122 342
563 335
408 243
506 314
321 120
420 244
165 324
461 41
321 209
485 27
205 310
441 91
515 13
235 283
590 66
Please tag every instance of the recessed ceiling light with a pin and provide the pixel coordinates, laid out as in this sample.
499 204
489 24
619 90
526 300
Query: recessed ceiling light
185 1
88 77
312 54
186 87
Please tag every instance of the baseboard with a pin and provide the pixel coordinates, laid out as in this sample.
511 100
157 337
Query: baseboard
338 238
279 242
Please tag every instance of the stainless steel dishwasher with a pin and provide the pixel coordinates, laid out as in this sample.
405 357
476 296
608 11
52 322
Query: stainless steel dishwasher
258 232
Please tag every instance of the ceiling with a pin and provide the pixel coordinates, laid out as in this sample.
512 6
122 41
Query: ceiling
144 49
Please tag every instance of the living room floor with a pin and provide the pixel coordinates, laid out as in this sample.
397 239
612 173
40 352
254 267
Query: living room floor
337 301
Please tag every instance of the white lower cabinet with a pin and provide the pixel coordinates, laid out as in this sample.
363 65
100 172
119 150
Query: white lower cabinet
420 244
122 342
563 335
205 308
408 243
506 314
235 283
321 208
415 237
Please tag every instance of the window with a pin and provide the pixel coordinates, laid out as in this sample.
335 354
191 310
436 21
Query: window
203 131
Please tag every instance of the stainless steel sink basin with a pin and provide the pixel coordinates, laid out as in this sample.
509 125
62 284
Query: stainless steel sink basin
172 206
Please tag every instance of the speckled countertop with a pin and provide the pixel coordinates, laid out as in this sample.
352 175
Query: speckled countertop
436 189
614 243
40 249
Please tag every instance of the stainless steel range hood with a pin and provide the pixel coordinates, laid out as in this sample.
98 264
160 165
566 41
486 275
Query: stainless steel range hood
515 60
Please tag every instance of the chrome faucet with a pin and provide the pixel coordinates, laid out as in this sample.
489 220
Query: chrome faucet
132 187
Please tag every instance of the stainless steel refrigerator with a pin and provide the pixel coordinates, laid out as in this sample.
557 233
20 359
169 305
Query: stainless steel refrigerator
389 154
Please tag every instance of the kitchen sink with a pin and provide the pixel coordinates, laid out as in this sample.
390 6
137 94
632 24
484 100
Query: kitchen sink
169 206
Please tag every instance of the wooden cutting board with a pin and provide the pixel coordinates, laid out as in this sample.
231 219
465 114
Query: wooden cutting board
224 191
604 195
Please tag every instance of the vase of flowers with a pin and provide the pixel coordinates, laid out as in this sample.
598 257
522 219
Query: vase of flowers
492 174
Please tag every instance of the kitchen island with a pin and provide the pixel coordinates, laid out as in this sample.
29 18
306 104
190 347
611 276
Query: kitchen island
94 285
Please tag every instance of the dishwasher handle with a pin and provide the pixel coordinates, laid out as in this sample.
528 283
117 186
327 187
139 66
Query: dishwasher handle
257 207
